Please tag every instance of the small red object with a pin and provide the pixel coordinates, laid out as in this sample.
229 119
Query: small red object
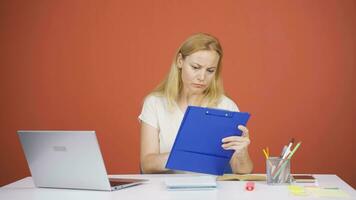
250 186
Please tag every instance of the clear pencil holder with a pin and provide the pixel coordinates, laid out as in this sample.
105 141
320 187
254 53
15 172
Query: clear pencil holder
278 171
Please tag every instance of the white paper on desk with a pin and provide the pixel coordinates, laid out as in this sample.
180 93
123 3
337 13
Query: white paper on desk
191 183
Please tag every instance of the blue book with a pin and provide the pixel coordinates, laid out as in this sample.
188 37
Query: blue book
197 147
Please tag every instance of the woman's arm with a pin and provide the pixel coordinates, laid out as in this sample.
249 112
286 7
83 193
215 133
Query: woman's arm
240 162
151 160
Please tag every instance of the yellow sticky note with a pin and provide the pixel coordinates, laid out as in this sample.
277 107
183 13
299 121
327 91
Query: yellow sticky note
297 190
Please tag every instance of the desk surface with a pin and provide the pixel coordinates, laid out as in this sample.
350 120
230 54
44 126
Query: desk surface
155 189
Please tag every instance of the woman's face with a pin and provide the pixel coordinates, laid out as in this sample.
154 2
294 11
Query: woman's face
198 70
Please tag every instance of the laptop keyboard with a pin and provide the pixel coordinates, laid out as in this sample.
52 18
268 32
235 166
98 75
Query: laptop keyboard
117 182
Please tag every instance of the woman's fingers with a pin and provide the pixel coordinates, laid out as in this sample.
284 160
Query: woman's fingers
247 141
245 133
237 143
244 130
230 144
234 146
234 138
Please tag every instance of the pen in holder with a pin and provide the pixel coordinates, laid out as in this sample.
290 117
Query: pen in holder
278 171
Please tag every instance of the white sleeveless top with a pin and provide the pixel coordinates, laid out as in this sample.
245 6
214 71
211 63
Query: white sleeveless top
155 113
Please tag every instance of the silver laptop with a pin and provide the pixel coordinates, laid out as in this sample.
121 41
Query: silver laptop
68 159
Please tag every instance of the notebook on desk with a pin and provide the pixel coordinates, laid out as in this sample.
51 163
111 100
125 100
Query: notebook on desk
68 159
197 147
242 177
191 183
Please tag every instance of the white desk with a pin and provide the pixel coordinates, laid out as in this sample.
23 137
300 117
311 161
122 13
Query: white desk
155 189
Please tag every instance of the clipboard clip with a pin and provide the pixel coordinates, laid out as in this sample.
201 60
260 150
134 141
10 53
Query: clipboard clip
219 113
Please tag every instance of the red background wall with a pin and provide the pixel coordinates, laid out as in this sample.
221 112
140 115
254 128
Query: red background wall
88 65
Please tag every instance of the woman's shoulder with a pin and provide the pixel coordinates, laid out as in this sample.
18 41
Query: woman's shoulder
155 99
227 104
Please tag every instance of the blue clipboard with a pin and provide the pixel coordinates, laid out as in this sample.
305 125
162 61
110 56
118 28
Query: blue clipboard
197 147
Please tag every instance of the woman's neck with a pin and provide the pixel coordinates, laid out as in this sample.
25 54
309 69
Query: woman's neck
186 98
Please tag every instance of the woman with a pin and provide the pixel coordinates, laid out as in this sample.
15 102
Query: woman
194 79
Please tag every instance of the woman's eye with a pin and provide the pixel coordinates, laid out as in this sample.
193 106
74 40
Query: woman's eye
211 70
194 67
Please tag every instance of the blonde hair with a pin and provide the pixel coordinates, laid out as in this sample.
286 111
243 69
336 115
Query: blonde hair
172 85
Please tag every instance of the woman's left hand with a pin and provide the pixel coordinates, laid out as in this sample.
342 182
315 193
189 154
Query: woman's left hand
237 143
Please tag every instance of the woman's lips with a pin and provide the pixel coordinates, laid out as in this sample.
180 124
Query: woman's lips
198 85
